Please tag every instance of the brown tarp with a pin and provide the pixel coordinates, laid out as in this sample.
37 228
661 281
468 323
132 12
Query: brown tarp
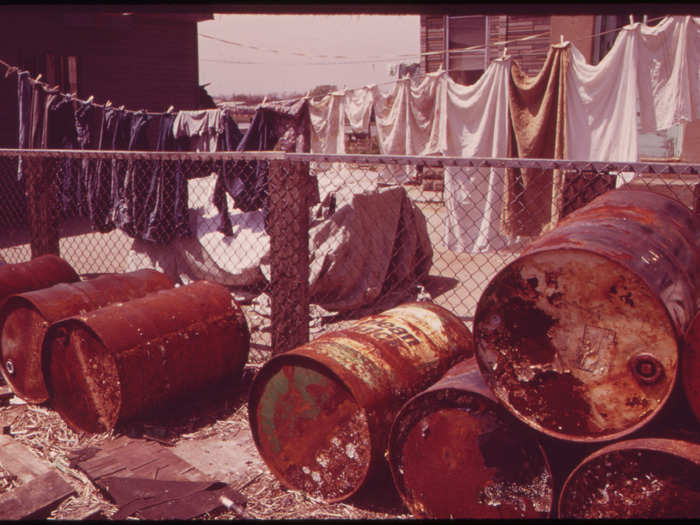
533 197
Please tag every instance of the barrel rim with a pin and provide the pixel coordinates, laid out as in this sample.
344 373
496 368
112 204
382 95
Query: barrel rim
663 445
265 372
561 435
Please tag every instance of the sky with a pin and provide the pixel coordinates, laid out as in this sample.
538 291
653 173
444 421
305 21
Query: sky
300 52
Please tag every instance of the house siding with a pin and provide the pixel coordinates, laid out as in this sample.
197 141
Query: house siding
141 63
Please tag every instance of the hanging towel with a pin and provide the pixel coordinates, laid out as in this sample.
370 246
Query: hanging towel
537 118
669 72
328 124
477 127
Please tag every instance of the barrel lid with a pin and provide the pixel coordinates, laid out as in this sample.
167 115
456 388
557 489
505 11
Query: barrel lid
638 478
455 452
575 345
22 335
82 377
309 429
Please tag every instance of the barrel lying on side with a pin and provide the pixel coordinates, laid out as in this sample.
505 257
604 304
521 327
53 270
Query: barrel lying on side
638 478
455 452
24 319
320 414
690 366
578 337
127 359
40 272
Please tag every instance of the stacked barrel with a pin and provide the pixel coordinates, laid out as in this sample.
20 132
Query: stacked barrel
586 358
117 346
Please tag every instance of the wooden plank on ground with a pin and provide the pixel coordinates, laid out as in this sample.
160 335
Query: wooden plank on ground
20 461
36 498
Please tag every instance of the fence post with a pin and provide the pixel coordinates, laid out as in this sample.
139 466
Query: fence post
288 226
42 206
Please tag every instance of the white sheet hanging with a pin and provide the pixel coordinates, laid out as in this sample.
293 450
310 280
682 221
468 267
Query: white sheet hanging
477 127
408 123
601 103
669 72
358 108
328 124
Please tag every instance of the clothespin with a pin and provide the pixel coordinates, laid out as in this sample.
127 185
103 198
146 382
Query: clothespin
561 39
644 19
108 103
170 109
264 100
90 99
121 108
441 68
505 53
10 70
631 19
38 77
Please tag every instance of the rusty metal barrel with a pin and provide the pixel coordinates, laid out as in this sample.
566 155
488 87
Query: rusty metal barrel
690 366
320 414
40 272
24 319
579 336
130 359
638 478
455 452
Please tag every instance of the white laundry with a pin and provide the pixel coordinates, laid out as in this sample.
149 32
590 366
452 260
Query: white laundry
477 127
358 108
202 126
669 72
328 124
601 103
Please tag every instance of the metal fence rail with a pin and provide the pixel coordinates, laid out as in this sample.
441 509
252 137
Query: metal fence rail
303 240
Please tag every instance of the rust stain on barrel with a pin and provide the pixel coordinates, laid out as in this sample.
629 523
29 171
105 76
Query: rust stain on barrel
129 359
638 478
320 414
690 366
24 319
455 452
578 337
40 272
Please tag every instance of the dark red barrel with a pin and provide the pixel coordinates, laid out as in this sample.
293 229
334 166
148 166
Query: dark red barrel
639 478
128 359
579 336
455 452
690 366
40 272
320 414
24 319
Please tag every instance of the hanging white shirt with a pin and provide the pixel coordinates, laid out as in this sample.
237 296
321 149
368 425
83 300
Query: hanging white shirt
328 124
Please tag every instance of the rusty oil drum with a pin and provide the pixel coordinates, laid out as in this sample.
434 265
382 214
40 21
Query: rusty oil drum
455 452
638 478
128 359
579 336
690 366
40 272
24 319
320 414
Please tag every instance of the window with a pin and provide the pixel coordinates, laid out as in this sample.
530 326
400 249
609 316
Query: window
56 70
466 66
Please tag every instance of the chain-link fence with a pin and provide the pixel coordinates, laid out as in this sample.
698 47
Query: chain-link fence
304 241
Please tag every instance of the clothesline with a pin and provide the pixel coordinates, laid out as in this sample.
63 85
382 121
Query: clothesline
14 69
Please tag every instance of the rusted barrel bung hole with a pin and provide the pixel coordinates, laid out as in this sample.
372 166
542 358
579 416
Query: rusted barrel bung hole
646 368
